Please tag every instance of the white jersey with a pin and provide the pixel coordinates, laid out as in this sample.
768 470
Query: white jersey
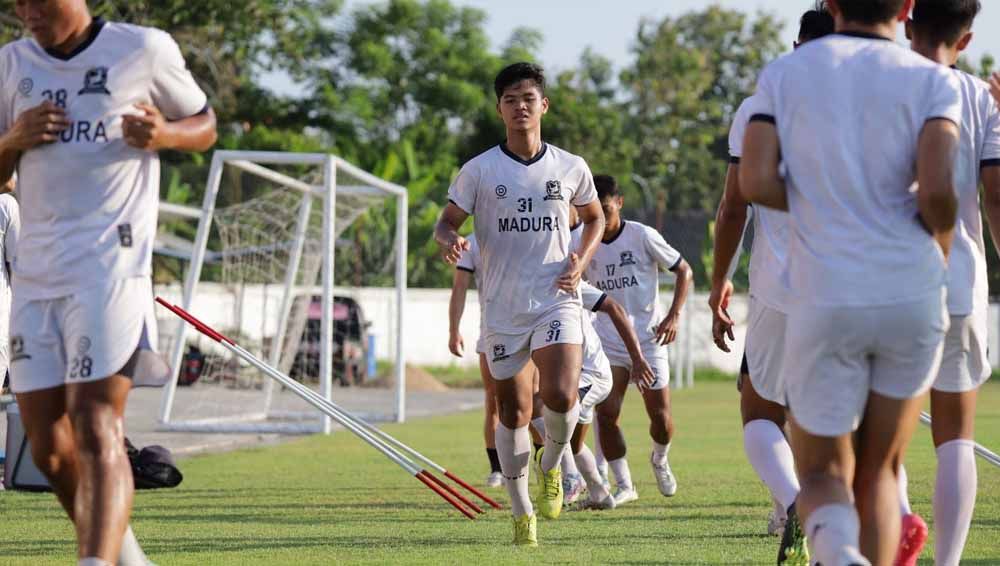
849 130
10 225
595 363
979 147
89 200
521 214
770 229
626 267
472 262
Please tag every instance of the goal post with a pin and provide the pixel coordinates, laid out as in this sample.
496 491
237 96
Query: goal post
275 262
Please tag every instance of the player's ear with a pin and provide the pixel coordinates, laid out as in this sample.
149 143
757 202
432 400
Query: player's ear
498 108
964 41
545 104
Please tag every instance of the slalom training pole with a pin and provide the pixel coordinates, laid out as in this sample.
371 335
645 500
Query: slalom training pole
981 451
313 399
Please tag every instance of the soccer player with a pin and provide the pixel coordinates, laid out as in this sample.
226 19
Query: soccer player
10 226
940 30
467 268
762 398
84 117
519 194
838 142
626 266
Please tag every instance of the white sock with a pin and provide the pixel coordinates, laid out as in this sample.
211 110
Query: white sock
558 432
514 450
771 457
131 553
833 532
600 461
588 469
660 452
568 463
904 497
539 424
623 476
954 499
93 561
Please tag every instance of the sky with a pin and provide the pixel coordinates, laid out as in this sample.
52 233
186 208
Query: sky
608 27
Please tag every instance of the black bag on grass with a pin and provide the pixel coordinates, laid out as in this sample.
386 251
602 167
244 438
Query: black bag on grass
153 467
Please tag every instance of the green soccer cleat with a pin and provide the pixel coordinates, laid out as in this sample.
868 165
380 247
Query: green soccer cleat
793 551
550 490
525 530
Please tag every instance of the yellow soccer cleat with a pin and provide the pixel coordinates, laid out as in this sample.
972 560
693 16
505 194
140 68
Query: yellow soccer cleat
525 530
550 491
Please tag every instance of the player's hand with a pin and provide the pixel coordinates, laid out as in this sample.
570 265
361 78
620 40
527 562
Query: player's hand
147 130
666 332
452 250
570 279
722 323
995 86
642 374
36 126
456 344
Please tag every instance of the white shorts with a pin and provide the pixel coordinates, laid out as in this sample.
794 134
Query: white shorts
964 364
594 389
765 349
85 337
507 354
481 344
836 356
656 357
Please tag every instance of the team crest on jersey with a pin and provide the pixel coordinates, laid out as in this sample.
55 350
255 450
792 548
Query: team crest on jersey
25 86
17 349
499 352
553 190
627 259
95 81
501 192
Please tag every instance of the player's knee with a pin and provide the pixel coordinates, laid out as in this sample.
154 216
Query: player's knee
51 454
560 401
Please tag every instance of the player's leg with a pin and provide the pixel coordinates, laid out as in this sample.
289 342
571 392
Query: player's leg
768 450
53 447
611 438
591 397
537 420
513 443
559 367
953 425
661 423
490 420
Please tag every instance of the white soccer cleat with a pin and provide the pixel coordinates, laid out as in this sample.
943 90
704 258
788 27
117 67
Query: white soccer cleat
665 479
573 487
605 504
625 495
495 479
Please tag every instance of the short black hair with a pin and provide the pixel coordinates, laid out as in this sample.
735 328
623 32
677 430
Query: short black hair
607 186
944 21
514 74
816 23
870 11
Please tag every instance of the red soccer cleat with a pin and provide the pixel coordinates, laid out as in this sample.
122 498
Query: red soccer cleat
912 540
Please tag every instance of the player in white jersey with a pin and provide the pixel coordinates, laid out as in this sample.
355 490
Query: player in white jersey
762 398
835 140
940 30
519 194
82 120
467 268
626 265
10 226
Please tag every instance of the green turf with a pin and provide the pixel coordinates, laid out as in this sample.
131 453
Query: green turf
332 500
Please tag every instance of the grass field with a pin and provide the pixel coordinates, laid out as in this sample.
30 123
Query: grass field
325 500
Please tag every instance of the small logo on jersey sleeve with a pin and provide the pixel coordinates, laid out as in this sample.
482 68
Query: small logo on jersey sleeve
25 86
553 190
501 192
125 235
95 81
17 349
627 259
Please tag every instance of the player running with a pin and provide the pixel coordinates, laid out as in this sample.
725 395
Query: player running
834 140
940 30
519 194
82 121
626 266
762 397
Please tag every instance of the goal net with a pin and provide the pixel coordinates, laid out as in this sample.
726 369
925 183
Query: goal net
299 258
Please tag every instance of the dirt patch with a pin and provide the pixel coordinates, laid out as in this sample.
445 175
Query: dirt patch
417 379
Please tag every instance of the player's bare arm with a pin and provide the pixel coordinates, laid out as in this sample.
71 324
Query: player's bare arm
148 129
593 229
642 373
759 179
995 86
446 233
456 307
729 222
666 331
936 198
34 127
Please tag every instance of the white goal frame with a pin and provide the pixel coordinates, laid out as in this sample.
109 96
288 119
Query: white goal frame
253 162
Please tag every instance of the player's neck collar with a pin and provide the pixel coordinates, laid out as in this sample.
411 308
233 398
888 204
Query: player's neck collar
95 28
863 35
612 239
515 157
